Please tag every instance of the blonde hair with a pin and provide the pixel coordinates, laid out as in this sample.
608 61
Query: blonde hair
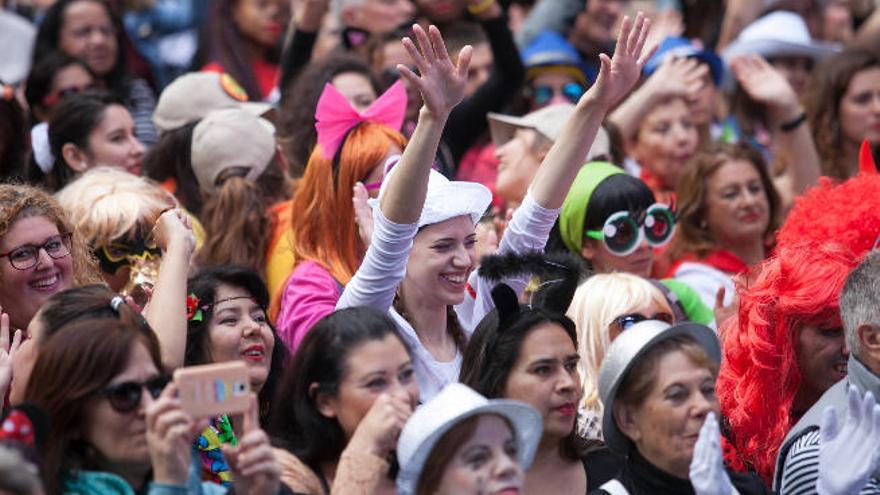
596 303
106 204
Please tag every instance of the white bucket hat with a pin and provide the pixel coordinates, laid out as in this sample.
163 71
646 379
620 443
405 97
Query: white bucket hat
446 199
625 352
453 404
778 34
548 122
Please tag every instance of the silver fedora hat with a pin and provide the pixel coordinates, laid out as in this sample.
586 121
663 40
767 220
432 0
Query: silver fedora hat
625 352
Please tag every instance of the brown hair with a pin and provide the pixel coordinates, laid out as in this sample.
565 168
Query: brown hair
642 377
692 191
20 201
71 368
443 451
824 94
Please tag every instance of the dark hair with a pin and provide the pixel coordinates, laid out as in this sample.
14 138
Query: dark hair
171 158
72 121
13 138
618 192
48 37
68 373
322 357
86 302
198 350
42 76
825 91
225 44
491 355
296 119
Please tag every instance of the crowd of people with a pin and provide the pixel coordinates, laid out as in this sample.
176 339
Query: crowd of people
461 246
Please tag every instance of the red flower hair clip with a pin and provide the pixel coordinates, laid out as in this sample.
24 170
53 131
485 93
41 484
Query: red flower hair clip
193 311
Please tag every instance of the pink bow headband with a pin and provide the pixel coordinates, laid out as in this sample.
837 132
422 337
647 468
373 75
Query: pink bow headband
335 117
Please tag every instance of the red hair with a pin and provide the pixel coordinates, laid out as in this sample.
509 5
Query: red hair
322 213
759 377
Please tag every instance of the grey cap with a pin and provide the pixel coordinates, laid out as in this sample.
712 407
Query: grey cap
548 122
625 352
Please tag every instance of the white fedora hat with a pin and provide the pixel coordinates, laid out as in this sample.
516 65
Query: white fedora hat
446 199
778 34
454 403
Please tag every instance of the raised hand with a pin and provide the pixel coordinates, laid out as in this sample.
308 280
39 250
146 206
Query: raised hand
848 453
8 348
173 226
763 83
679 77
707 473
619 74
170 433
254 467
439 81
363 214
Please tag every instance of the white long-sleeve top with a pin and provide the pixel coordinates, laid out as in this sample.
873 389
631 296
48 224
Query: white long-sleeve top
384 266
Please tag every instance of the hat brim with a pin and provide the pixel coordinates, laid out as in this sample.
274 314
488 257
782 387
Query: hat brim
705 338
775 48
525 421
503 127
454 199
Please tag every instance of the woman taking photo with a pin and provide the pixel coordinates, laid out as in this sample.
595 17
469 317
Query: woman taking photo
475 445
108 436
603 307
728 210
658 386
434 297
40 254
341 405
85 131
88 30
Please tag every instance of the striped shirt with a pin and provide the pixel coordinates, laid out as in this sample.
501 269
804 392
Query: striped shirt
801 468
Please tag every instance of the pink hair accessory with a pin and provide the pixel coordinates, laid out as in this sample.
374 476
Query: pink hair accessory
335 116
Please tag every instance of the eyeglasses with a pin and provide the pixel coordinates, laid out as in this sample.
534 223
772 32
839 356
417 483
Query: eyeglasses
622 234
125 397
27 256
571 91
386 167
624 322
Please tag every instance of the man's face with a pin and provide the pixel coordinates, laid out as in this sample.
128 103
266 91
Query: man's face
596 24
378 16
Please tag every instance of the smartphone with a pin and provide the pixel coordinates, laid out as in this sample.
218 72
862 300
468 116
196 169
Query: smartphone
214 389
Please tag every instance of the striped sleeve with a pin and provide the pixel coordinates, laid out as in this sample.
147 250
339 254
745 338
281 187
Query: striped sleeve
801 468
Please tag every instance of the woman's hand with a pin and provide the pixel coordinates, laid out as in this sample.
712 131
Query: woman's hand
678 77
379 429
439 81
766 85
174 229
848 453
618 74
254 467
8 348
170 434
363 213
707 473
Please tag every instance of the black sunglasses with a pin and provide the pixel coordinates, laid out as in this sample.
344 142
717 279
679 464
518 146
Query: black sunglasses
125 397
626 321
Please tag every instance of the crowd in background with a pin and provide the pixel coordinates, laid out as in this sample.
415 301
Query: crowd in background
462 246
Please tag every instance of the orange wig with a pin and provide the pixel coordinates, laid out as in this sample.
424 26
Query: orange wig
323 224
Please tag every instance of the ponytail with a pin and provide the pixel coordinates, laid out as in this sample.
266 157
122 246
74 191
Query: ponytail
237 225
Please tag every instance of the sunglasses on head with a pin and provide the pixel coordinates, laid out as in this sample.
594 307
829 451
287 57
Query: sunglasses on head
571 91
623 232
53 98
125 397
624 322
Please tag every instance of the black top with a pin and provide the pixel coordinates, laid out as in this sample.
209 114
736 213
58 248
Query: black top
601 465
640 477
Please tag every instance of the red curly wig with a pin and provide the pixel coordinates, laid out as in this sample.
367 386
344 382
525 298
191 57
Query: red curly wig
827 233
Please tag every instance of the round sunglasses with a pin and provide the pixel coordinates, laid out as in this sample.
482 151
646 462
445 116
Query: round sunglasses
125 397
624 322
623 232
572 92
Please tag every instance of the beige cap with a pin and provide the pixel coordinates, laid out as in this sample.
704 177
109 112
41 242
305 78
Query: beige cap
231 138
192 96
548 122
